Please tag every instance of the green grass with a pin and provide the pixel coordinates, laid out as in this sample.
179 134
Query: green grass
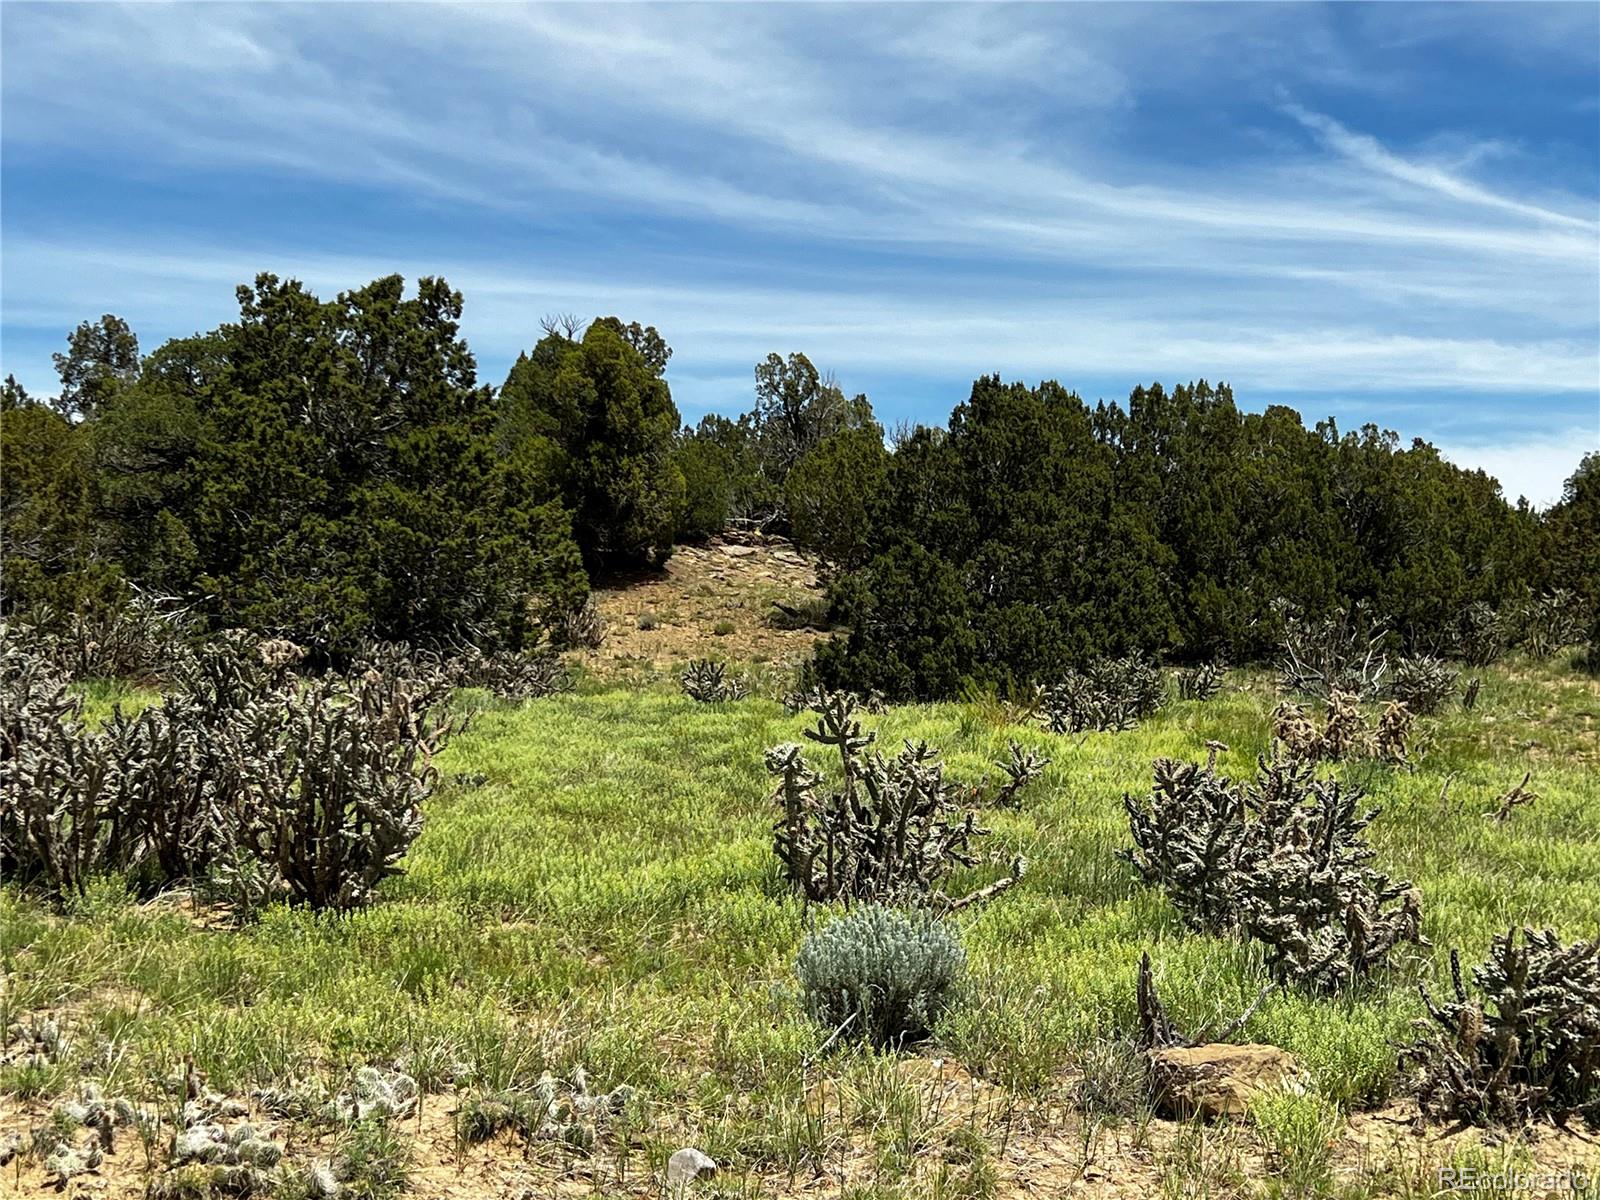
608 897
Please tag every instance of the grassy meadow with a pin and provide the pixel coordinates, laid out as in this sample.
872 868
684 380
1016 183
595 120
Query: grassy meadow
595 887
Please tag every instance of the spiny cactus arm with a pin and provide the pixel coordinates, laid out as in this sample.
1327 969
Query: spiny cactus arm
1019 867
1021 769
1234 1026
1156 1030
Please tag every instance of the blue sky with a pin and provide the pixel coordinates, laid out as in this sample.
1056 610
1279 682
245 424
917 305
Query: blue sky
1384 213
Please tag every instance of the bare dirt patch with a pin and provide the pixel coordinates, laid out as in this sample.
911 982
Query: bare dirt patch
959 1122
713 600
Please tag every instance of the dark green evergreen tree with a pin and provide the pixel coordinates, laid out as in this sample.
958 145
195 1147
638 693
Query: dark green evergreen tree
601 405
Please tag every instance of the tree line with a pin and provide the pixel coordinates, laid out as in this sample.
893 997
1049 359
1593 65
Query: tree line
330 471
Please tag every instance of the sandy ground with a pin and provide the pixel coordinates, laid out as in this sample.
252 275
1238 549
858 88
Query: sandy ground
1034 1150
656 620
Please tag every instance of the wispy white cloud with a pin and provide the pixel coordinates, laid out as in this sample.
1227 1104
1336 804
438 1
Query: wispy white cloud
1533 467
724 328
931 192
1370 153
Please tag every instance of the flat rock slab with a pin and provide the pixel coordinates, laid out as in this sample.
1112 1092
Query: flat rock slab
1219 1080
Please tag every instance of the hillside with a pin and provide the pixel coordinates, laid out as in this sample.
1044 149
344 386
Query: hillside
594 896
717 599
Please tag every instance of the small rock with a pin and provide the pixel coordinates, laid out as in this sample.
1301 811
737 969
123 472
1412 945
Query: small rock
1217 1079
738 551
689 1164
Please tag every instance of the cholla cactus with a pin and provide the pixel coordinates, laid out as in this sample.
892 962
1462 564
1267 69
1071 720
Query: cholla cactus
1202 682
1109 694
709 682
511 675
228 670
880 975
1480 634
61 822
580 628
890 830
1512 799
335 799
1021 768
1343 652
1282 860
1186 838
1528 1047
551 1109
320 785
1551 621
804 698
1306 886
1157 1031
140 636
280 654
1296 733
1422 683
1393 733
1344 732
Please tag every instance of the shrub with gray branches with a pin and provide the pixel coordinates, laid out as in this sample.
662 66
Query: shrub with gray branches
890 829
1283 859
1527 1046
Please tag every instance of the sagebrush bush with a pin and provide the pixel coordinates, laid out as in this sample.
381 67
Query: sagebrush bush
880 975
1528 1046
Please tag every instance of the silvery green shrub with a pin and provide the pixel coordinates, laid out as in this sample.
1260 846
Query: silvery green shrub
880 974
